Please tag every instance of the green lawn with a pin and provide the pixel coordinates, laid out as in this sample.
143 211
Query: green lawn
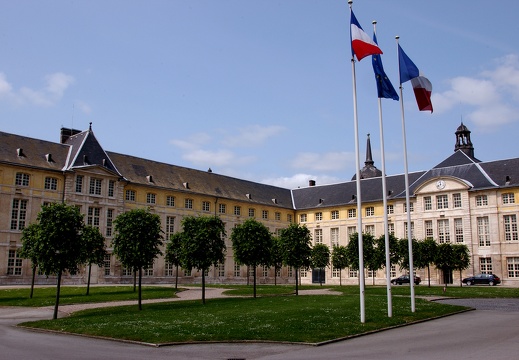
276 315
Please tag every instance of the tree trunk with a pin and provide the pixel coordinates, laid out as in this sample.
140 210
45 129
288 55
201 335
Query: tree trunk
340 277
88 281
176 278
140 288
429 274
297 281
203 286
254 277
134 280
32 281
275 276
56 305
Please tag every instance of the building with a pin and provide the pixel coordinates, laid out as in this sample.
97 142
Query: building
461 200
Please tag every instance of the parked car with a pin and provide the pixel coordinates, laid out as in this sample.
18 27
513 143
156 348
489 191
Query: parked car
404 279
486 279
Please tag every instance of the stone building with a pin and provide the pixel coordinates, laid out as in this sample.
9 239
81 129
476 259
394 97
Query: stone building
460 200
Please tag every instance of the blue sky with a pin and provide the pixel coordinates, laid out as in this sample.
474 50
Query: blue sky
259 89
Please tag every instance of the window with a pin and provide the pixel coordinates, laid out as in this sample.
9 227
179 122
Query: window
303 272
406 229
222 208
290 272
390 209
336 272
335 214
277 216
411 205
318 236
151 198
107 264
303 217
21 179
237 210
237 270
168 269
510 222
428 225
170 227
512 264
109 221
93 216
95 186
14 263
206 206
485 265
318 216
51 183
351 230
427 203
370 211
442 202
458 230
79 183
392 272
391 228
289 218
334 236
188 203
130 195
264 214
443 231
111 188
170 200
370 229
352 213
353 273
147 271
508 198
481 200
483 231
18 214
265 271
456 199
127 271
252 212
221 270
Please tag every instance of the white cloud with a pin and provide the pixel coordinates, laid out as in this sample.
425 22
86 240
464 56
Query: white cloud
487 95
299 180
253 135
331 161
55 86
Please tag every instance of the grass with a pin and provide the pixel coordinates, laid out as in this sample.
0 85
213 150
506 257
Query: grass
273 316
46 296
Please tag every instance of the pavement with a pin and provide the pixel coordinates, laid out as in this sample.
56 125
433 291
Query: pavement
490 331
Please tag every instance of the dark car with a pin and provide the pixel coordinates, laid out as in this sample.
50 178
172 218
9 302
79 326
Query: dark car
486 279
404 279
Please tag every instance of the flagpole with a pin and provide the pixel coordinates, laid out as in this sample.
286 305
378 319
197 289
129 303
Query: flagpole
407 200
384 200
359 201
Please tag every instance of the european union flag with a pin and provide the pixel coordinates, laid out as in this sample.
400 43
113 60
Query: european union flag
384 86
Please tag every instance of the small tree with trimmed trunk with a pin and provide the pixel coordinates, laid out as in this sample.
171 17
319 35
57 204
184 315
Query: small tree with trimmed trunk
297 251
94 249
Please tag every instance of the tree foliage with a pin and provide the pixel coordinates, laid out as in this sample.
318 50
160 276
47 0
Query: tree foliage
203 244
137 241
30 238
252 245
445 260
461 258
320 258
340 259
276 256
427 251
94 249
297 251
174 252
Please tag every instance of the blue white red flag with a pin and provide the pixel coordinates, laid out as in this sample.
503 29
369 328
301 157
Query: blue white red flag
361 44
422 87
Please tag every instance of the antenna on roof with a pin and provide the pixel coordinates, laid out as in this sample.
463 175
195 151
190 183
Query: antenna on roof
73 111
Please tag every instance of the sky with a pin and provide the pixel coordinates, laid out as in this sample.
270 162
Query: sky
260 89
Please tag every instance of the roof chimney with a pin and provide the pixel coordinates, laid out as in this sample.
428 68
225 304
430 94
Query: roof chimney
311 182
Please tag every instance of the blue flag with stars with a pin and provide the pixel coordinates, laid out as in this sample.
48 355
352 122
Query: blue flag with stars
384 87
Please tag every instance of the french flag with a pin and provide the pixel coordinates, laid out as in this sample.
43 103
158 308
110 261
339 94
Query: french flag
361 44
422 87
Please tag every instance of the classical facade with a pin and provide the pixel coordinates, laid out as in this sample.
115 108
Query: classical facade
461 200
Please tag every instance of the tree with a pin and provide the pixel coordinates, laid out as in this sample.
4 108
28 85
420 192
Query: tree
94 249
203 244
461 258
174 252
137 241
427 249
403 249
59 243
352 250
339 260
445 261
276 256
30 238
252 245
394 254
320 258
296 244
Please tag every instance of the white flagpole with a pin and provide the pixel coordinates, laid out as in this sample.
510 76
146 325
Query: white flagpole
384 197
407 200
359 202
